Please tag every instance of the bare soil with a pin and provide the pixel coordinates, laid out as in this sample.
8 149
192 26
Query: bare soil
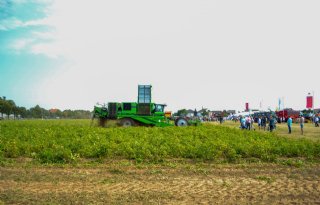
123 182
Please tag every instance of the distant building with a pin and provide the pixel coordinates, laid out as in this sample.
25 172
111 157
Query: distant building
5 116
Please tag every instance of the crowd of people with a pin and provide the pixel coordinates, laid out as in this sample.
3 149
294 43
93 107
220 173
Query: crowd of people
270 123
264 123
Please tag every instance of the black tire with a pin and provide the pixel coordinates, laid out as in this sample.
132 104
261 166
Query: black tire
181 122
127 122
102 122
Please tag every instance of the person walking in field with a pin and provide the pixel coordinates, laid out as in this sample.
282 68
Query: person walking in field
289 122
301 124
316 121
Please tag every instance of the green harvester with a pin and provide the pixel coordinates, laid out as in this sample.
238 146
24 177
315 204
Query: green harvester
141 113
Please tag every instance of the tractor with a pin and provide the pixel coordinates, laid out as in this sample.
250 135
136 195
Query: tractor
141 113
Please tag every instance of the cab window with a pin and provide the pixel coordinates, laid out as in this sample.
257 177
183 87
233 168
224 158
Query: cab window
159 108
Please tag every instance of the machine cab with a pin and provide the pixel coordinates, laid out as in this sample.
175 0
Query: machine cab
158 108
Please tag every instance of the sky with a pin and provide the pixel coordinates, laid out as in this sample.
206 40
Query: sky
71 54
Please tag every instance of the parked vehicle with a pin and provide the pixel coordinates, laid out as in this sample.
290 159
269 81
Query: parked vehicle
286 113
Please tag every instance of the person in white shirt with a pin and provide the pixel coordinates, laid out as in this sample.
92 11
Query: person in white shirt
259 123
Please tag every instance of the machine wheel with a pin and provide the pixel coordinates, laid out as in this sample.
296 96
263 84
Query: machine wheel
181 122
102 122
127 122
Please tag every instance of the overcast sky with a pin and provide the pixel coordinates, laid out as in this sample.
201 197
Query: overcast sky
213 54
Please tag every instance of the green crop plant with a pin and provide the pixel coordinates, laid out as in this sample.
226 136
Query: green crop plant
66 141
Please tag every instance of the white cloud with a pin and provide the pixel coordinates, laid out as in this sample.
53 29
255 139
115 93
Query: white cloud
19 1
45 48
37 22
31 1
44 35
21 44
13 23
10 23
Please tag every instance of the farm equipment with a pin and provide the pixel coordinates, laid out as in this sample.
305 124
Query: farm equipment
286 113
141 113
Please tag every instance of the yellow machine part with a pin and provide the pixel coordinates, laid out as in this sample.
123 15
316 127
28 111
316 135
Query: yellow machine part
167 114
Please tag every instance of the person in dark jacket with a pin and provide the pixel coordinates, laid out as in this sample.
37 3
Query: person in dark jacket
272 123
264 122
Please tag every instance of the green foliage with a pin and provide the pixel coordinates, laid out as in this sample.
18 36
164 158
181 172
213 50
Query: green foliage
9 107
64 141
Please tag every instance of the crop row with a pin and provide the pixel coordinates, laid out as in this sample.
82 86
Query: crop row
64 141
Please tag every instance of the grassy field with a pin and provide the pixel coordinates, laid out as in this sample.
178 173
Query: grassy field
310 131
69 162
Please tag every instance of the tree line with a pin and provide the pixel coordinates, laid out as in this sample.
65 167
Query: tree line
9 108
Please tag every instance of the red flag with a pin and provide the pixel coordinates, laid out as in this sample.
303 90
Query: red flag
309 102
247 106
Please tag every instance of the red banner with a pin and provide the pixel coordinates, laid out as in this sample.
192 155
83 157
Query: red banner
247 106
309 102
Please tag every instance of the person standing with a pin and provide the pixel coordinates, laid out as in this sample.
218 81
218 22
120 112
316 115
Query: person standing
264 122
271 123
242 123
259 122
301 124
248 123
316 121
252 123
289 122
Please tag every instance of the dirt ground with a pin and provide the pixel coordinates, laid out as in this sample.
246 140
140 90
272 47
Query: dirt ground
122 182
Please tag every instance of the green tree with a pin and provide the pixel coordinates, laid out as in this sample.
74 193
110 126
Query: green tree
2 106
36 112
22 111
12 106
59 113
67 114
7 106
